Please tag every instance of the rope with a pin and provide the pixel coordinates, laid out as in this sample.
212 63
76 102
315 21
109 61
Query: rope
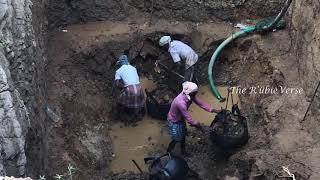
231 98
227 99
286 169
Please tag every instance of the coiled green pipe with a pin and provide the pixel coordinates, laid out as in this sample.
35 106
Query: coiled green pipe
267 27
216 54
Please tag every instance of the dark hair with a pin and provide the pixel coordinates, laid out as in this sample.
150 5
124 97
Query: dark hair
193 94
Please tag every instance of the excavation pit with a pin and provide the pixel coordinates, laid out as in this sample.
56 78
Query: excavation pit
80 85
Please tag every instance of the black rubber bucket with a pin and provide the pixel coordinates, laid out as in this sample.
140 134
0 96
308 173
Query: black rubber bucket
156 110
168 167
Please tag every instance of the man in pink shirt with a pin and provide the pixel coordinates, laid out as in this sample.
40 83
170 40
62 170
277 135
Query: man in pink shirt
178 115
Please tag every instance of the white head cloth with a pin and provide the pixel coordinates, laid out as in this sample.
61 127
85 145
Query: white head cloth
164 40
188 88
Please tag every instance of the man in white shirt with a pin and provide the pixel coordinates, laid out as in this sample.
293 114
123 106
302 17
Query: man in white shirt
132 98
179 51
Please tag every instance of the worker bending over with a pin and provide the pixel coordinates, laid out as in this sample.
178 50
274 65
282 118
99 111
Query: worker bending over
132 98
178 115
178 51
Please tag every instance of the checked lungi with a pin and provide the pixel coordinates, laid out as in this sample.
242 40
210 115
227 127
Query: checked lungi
132 96
177 130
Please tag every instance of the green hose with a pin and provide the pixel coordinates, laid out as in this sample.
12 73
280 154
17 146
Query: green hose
216 54
262 26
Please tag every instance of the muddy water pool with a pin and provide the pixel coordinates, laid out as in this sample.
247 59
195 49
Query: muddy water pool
206 95
150 136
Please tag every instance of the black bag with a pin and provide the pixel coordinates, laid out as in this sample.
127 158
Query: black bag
229 129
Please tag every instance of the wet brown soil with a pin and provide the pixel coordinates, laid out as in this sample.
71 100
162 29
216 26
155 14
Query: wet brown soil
150 136
80 90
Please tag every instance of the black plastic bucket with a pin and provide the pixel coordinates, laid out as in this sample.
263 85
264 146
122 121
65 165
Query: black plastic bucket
156 110
168 167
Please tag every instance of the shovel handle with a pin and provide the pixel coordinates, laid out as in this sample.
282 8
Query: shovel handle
169 70
136 164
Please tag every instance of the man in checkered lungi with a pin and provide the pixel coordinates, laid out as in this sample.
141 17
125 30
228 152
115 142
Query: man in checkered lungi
132 98
178 115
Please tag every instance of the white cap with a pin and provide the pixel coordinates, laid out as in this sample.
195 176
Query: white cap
164 40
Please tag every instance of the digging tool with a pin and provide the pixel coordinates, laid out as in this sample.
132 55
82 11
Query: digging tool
314 95
157 63
136 164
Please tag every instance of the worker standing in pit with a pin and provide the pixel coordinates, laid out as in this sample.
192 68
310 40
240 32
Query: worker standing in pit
178 51
178 115
132 98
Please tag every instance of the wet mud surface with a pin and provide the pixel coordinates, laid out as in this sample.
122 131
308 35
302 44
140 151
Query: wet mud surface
150 137
81 92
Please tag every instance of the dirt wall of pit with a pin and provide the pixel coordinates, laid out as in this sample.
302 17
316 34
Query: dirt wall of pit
305 27
21 62
274 120
306 40
283 133
279 137
63 12
36 145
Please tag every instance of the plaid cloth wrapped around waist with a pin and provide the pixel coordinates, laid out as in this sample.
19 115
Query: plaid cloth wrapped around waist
132 96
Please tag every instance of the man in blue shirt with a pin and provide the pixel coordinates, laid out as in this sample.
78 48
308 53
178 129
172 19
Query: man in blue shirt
132 98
